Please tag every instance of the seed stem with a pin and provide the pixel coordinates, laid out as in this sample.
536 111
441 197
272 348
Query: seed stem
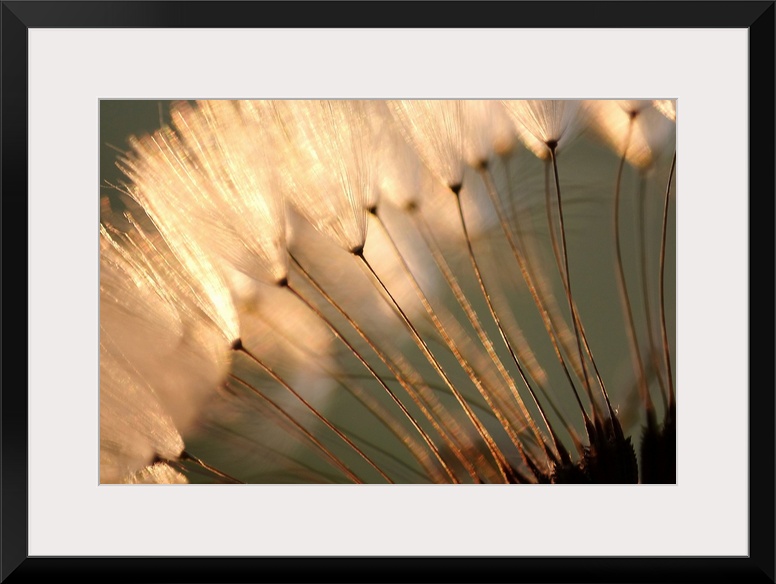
278 409
400 378
452 281
562 271
546 319
186 456
505 339
374 407
449 342
501 463
623 287
566 274
315 412
642 197
661 284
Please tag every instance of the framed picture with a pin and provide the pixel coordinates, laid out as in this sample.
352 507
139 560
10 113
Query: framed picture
73 72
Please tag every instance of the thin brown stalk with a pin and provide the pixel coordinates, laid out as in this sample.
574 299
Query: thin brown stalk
661 285
188 457
502 465
400 378
494 315
282 412
653 354
623 287
450 343
267 369
546 319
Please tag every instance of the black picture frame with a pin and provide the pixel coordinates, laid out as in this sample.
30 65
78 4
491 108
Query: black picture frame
17 566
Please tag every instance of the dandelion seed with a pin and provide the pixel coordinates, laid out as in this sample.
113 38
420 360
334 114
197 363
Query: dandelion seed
134 428
172 201
150 318
434 129
635 126
328 168
551 122
161 356
233 153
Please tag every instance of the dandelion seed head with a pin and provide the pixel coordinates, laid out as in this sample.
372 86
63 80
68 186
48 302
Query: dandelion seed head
156 474
134 427
434 128
240 187
552 122
133 302
328 169
645 134
173 203
531 142
153 323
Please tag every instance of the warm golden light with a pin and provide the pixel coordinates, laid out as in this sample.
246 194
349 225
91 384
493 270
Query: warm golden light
402 291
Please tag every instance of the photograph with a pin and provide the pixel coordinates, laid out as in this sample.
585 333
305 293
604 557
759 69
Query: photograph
388 291
316 293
